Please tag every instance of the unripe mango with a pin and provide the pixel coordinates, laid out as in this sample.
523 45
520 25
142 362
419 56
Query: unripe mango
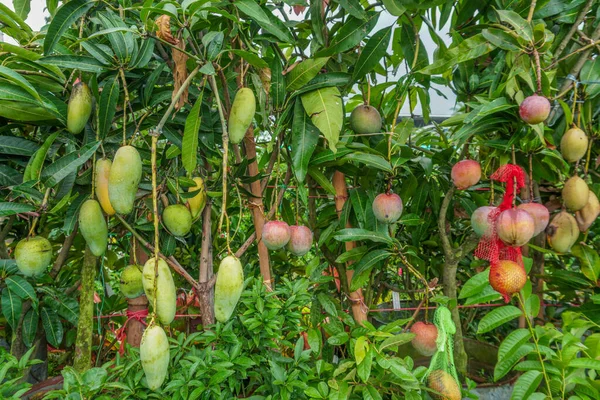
197 202
588 214
575 193
103 166
124 178
79 108
154 355
33 255
92 226
365 119
573 144
178 219
562 233
228 287
166 300
131 281
241 115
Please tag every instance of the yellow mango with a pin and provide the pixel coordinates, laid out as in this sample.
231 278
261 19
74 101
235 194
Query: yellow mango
197 202
101 183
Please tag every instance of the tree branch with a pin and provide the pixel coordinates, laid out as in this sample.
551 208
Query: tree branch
64 252
563 44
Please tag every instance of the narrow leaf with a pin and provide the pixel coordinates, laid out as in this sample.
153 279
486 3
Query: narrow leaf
189 148
497 317
12 306
57 171
305 137
373 51
65 16
324 106
108 105
304 72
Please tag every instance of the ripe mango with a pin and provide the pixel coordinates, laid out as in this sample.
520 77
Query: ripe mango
588 214
79 108
574 144
178 219
166 300
154 355
103 166
575 193
92 226
197 202
124 179
33 255
562 233
131 281
444 386
241 115
228 287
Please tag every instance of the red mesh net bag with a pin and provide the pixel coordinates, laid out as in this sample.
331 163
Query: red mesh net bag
490 247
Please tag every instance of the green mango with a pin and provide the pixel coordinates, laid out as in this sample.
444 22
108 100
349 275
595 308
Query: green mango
241 115
228 287
131 281
33 255
79 108
124 179
166 300
92 226
154 355
178 219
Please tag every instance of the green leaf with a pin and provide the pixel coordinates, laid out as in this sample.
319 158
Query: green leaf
363 370
370 160
19 286
497 317
16 93
355 234
505 365
12 306
68 164
25 112
521 26
324 106
189 147
18 80
52 326
65 16
373 51
277 82
9 176
370 259
354 8
585 363
82 63
589 259
512 343
12 20
22 8
11 208
305 137
265 19
475 284
36 163
473 47
304 72
361 346
30 325
252 58
397 340
122 43
327 303
501 39
317 22
526 385
394 7
350 34
108 105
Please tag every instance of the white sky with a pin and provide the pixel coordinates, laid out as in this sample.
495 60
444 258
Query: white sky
439 105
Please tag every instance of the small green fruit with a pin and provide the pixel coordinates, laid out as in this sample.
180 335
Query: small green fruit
573 145
79 107
92 226
33 255
178 219
365 119
241 115
228 288
575 193
131 281
124 179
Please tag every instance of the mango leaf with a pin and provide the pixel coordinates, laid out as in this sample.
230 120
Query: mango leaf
355 234
30 325
19 286
15 93
22 8
589 259
317 22
65 16
25 112
277 82
373 51
189 147
265 19
366 264
327 304
354 8
370 160
505 365
302 73
36 163
305 137
350 35
324 106
9 176
66 165
108 105
497 317
468 49
121 40
475 284
52 326
512 342
252 58
12 305
394 7
19 29
11 208
521 26
397 340
18 80
501 39
526 385
321 179
82 63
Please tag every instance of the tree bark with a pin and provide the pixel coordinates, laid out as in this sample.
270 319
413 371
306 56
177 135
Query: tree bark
359 309
85 326
206 297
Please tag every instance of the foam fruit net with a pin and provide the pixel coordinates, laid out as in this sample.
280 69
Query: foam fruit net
490 247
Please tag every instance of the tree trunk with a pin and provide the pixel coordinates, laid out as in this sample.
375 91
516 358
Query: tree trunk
359 309
85 326
206 297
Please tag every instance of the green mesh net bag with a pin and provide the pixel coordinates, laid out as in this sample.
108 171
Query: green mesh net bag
441 376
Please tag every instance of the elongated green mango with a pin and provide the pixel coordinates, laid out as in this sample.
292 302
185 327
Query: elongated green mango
228 288
92 226
197 202
33 255
79 108
124 179
103 166
241 115
154 354
166 300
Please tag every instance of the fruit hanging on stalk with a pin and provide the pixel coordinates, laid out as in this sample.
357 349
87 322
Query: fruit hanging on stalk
588 214
425 340
562 233
178 219
33 255
534 109
540 215
228 287
387 208
480 220
241 115
131 284
575 193
124 179
507 278
276 234
443 385
197 202
103 166
79 108
166 298
465 174
92 226
301 239
154 355
515 227
574 144
365 119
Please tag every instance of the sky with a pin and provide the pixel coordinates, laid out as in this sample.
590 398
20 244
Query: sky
440 106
